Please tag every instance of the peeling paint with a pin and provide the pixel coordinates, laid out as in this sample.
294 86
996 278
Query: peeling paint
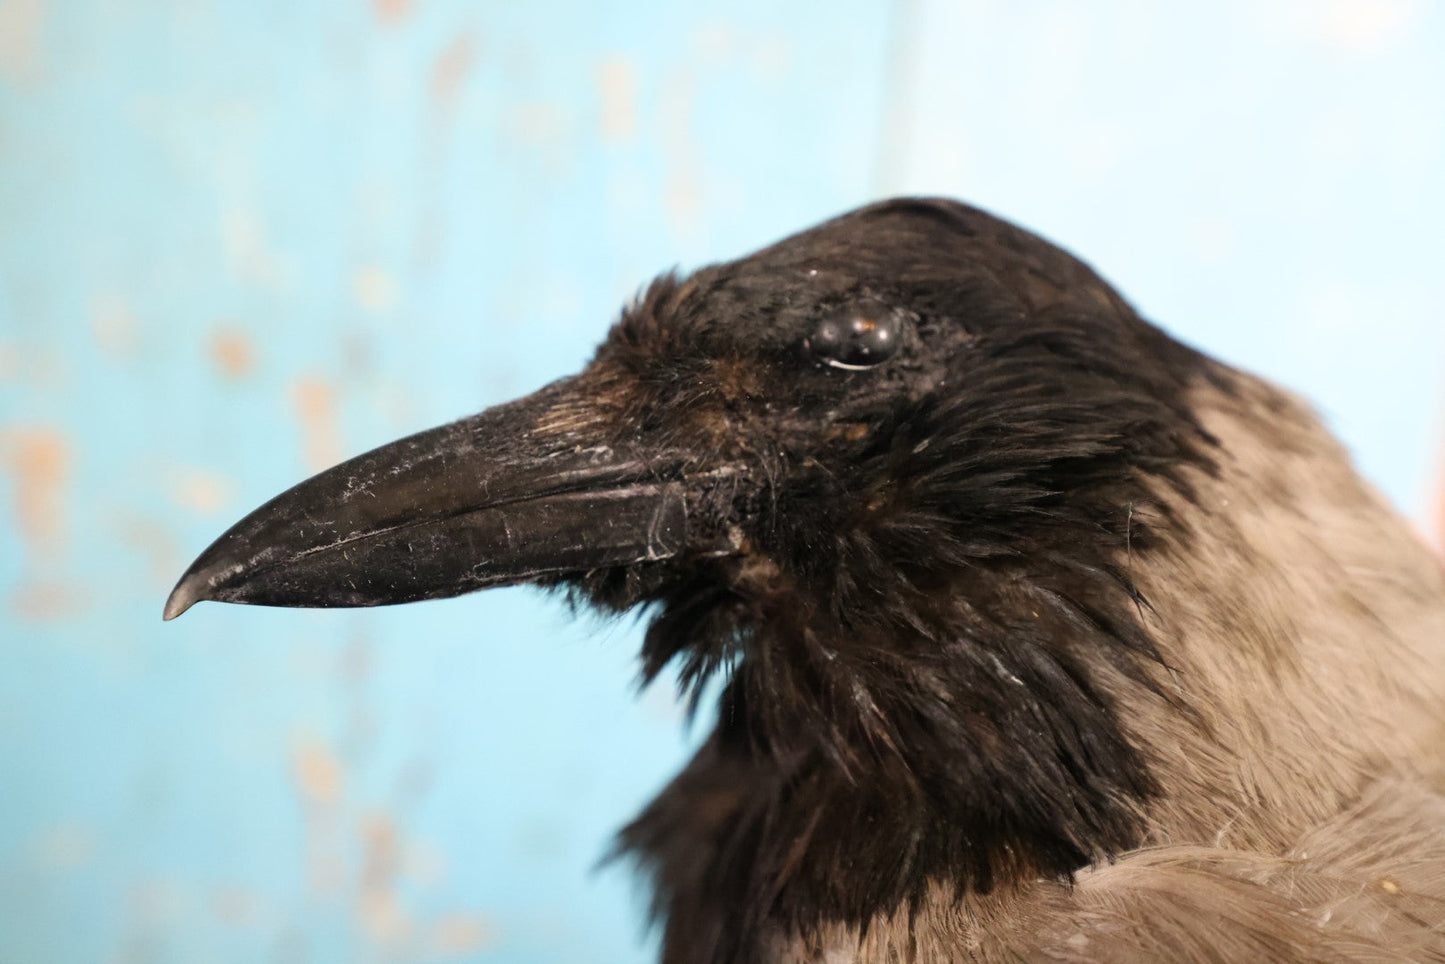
155 901
64 847
375 289
316 771
114 326
382 852
202 491
1364 25
237 906
250 255
39 460
458 935
48 601
22 29
382 917
390 11
232 351
314 402
617 83
449 72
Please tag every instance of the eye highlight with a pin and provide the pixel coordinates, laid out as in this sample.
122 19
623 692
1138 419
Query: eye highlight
856 339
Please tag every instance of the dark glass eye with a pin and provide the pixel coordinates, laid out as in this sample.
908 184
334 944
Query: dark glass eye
856 339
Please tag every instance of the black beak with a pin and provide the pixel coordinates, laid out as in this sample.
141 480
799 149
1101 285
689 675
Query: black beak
534 488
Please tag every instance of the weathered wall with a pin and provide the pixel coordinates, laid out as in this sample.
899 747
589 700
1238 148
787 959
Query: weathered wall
239 241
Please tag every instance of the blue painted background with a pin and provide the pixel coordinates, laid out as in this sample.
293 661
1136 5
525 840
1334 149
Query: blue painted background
240 241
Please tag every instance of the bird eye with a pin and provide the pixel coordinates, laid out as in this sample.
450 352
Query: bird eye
855 339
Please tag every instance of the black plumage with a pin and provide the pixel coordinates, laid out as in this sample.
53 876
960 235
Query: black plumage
895 477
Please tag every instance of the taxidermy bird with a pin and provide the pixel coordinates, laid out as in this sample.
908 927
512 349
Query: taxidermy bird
1044 636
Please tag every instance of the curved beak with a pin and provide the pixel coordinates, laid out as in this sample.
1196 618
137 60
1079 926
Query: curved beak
526 490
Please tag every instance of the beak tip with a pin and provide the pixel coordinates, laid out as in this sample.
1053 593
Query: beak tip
183 597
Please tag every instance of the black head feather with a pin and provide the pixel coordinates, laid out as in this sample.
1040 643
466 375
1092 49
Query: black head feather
937 560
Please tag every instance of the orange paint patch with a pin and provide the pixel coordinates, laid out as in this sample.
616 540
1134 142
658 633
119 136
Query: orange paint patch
450 71
114 326
237 906
64 847
382 857
22 29
156 901
318 774
314 401
232 352
47 602
201 491
375 289
617 82
39 460
461 935
390 11
382 917
250 255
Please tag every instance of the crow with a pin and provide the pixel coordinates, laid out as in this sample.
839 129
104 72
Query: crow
1041 636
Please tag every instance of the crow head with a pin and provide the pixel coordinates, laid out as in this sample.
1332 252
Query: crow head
892 475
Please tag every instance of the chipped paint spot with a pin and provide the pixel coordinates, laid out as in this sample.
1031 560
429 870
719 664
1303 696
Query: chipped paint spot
449 72
318 774
375 289
46 367
22 28
39 459
232 351
156 901
236 906
382 858
113 325
200 490
382 916
1365 25
1349 26
64 847
715 42
459 935
47 602
314 401
390 11
617 82
249 253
